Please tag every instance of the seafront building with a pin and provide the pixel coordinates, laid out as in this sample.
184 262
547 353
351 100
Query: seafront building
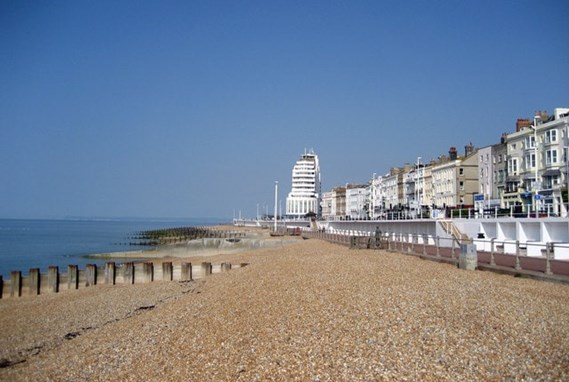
304 197
357 201
527 171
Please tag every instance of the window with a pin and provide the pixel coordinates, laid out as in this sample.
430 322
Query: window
461 171
530 161
551 136
513 166
530 142
551 156
461 186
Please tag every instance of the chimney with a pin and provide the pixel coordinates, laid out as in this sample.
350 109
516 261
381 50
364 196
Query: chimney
468 149
452 153
522 123
503 138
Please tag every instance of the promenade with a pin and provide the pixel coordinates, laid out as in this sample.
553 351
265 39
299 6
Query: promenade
310 311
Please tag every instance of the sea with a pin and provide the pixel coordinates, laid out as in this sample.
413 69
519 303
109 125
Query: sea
40 243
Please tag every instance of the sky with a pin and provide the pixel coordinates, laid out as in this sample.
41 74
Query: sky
195 108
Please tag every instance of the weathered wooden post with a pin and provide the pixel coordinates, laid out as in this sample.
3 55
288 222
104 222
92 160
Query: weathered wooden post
518 265
549 249
206 268
186 272
148 270
72 277
34 282
225 267
53 279
15 284
167 273
243 265
128 273
110 273
468 258
90 275
1 286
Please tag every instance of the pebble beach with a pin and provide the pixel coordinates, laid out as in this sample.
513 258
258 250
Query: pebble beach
308 311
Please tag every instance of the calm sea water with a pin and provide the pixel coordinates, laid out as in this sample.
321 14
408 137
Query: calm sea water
26 244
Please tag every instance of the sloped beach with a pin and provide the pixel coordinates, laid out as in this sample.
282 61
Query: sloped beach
310 311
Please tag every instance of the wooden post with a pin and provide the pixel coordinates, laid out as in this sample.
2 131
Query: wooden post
128 273
206 268
186 272
91 275
438 243
110 273
518 266
1 286
148 269
492 259
34 282
225 267
167 274
72 277
548 251
53 279
15 284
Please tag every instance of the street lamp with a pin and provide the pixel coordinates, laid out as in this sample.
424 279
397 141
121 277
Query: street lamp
276 196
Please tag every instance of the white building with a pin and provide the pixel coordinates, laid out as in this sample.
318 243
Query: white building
304 196
377 197
357 199
537 162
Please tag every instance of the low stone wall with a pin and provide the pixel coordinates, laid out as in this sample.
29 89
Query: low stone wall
54 281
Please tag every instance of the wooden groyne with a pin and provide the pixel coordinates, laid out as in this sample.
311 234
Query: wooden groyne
111 273
180 234
54 281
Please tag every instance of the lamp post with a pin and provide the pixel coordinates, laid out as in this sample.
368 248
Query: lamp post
276 205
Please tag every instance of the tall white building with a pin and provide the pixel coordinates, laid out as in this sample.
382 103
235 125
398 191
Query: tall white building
305 194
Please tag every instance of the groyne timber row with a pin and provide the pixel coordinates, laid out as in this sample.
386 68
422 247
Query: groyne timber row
180 235
56 279
442 241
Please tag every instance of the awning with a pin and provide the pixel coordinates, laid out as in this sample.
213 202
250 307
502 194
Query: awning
555 172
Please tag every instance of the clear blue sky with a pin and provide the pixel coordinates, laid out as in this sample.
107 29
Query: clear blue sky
195 108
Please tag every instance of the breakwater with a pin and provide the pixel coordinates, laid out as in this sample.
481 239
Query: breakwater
54 281
180 234
57 279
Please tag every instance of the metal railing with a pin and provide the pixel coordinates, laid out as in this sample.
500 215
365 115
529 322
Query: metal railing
492 254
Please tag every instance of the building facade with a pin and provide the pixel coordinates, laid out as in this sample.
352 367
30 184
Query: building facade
304 196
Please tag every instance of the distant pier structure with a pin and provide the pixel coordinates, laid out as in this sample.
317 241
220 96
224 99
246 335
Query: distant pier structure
304 197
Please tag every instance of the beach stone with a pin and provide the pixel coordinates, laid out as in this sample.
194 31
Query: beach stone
311 311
